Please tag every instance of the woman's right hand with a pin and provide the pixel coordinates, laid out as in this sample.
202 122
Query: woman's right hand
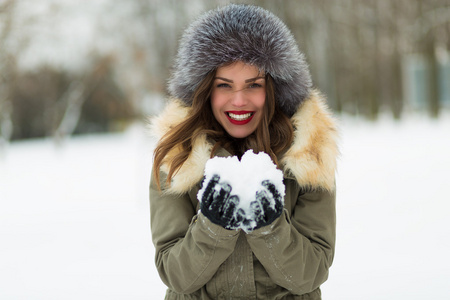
218 206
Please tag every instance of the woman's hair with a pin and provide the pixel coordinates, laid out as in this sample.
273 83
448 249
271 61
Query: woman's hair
273 135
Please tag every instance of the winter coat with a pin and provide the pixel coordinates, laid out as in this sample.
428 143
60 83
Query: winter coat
288 259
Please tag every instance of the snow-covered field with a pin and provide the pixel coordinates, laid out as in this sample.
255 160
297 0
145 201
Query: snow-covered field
74 219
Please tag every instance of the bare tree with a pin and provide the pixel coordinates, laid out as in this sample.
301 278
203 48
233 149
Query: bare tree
6 72
428 47
74 98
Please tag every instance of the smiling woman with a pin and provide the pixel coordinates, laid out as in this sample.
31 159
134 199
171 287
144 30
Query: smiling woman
240 84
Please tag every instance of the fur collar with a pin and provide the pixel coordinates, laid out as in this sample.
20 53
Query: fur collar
311 159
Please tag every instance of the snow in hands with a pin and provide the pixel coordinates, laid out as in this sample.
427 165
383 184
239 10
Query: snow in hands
246 194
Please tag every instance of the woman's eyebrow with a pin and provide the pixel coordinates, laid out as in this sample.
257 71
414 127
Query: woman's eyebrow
254 79
224 79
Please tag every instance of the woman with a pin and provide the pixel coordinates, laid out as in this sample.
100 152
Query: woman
240 83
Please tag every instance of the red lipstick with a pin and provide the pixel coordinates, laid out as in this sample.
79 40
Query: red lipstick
237 121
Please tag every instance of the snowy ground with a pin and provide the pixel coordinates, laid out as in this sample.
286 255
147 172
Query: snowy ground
74 220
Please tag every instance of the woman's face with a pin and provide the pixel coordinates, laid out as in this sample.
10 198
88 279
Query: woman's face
238 97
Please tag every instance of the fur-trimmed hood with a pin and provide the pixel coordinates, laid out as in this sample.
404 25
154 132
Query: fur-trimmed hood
311 159
244 33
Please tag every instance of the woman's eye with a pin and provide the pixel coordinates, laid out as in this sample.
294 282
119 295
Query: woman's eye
223 85
255 85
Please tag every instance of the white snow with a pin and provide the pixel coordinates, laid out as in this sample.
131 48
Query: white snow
74 220
245 177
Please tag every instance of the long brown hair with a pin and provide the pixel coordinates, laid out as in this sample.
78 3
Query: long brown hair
273 135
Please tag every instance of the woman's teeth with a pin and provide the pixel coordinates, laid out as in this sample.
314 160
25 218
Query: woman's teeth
241 117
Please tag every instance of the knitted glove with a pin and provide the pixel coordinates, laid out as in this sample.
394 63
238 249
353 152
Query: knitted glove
266 208
218 206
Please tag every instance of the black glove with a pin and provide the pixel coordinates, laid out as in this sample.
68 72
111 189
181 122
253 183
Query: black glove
218 206
261 210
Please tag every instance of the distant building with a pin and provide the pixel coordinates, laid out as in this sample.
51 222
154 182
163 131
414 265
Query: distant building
416 80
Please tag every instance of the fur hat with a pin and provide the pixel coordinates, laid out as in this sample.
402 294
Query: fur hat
244 33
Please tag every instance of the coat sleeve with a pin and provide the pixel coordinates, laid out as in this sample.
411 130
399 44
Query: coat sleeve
188 247
298 248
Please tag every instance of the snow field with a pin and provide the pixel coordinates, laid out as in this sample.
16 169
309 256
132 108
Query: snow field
392 207
74 220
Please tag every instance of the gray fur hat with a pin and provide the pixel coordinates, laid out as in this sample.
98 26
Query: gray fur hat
244 33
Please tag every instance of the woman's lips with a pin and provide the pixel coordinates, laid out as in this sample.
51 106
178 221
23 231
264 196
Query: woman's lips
239 117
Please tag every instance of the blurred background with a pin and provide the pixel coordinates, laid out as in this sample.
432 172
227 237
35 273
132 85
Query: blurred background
71 67
80 78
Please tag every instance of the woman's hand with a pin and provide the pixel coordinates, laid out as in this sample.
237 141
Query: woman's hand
222 209
267 207
218 206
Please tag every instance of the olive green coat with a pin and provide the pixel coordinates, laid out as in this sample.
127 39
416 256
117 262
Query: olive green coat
288 259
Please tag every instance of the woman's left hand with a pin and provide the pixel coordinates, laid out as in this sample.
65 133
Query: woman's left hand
267 207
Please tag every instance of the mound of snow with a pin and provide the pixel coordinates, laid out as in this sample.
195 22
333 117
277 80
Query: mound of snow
245 177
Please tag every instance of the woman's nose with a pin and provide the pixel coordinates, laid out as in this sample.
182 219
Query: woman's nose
238 99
